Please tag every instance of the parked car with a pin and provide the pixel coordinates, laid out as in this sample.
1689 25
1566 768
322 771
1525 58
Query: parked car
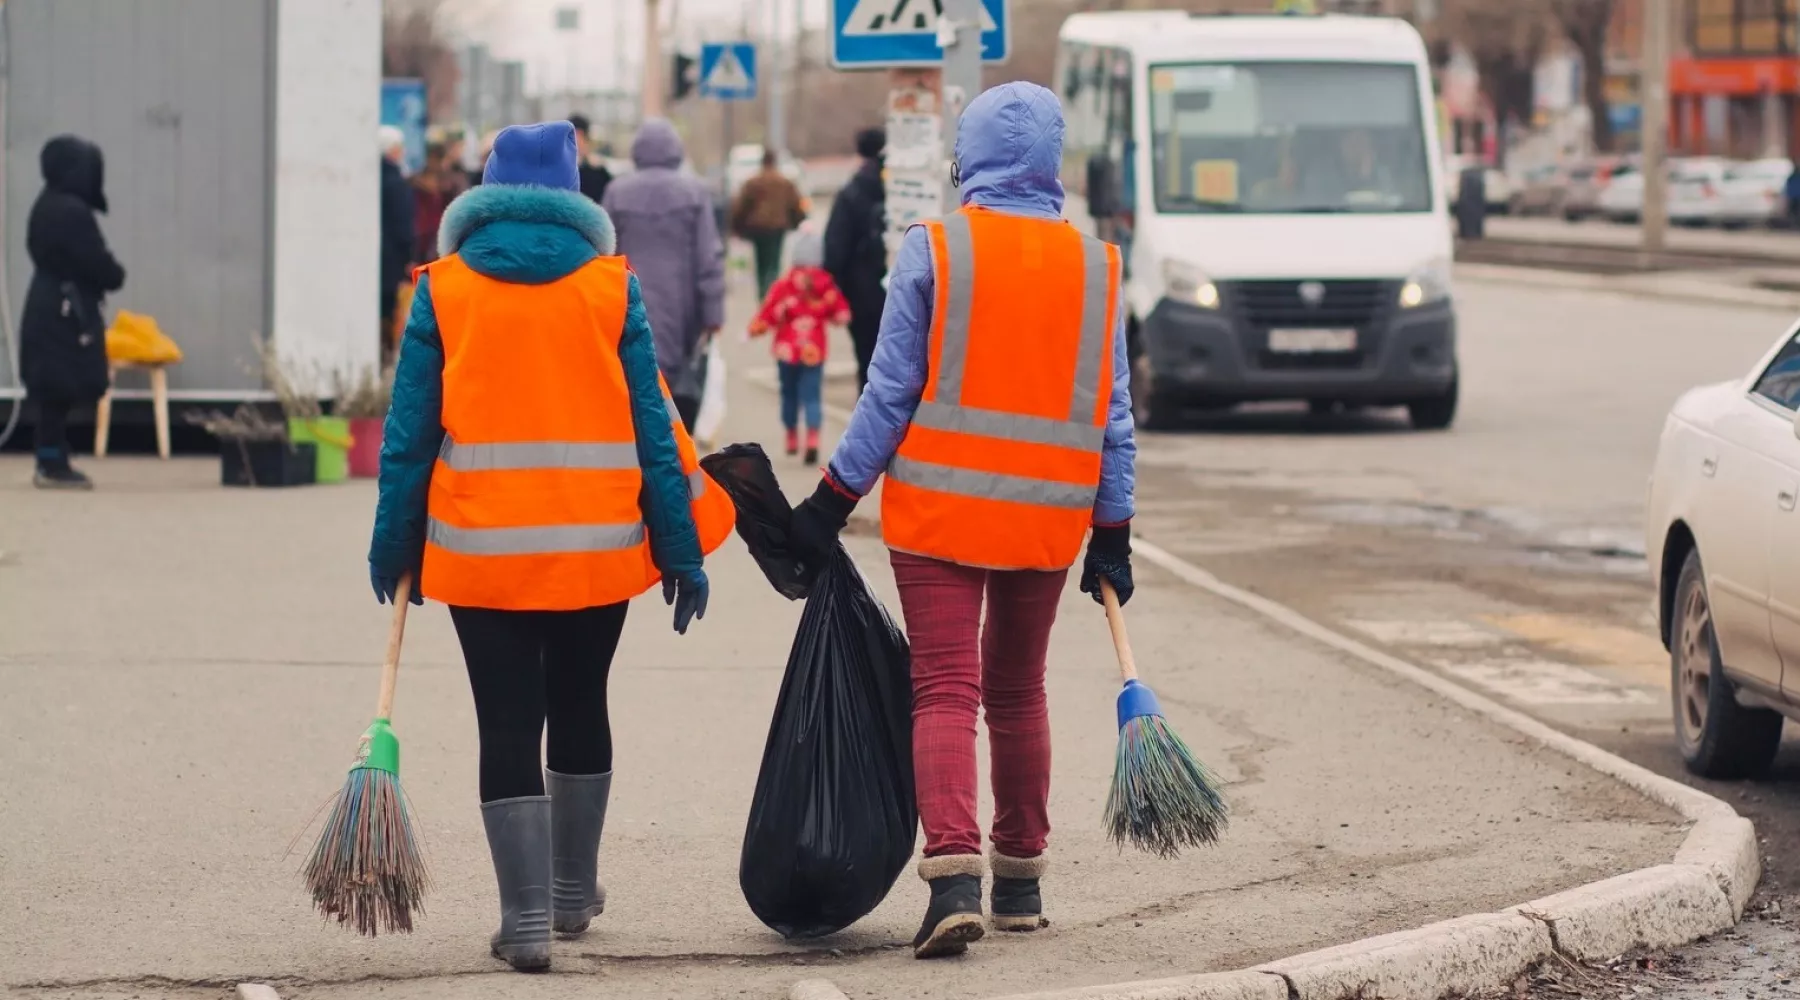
1695 187
1540 191
1581 197
1622 199
1721 539
1753 193
1496 189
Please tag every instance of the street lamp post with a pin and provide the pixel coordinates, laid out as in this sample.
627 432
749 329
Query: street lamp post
1655 214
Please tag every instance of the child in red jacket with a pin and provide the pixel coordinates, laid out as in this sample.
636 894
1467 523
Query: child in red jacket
801 308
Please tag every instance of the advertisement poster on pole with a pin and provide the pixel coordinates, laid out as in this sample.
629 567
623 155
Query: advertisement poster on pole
915 160
403 107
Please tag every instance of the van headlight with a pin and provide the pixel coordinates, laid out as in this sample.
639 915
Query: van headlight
1428 284
1188 284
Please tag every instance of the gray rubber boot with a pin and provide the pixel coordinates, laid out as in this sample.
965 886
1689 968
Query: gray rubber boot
518 833
577 818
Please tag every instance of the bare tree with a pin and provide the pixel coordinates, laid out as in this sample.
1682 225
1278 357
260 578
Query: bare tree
1586 22
1506 39
412 46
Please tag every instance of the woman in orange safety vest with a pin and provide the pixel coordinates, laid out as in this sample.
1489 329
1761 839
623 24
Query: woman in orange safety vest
533 478
999 409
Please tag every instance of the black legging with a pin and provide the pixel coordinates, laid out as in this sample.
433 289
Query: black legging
52 432
526 666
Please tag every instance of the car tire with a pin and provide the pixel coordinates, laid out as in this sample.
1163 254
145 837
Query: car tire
1434 413
1150 410
1717 737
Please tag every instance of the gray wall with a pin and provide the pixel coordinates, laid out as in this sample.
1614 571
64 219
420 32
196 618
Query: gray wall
177 94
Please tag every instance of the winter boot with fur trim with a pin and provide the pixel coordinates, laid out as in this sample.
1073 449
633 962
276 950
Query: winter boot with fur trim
518 833
1017 903
577 818
953 919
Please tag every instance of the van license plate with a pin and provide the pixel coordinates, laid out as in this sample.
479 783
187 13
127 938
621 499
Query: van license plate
1311 341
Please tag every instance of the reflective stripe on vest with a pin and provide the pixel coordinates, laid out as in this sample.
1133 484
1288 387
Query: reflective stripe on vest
992 485
516 455
557 539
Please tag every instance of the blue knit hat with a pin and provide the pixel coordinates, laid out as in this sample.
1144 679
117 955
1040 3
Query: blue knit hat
542 154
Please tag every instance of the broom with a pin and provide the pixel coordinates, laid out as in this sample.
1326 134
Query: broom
1162 798
366 869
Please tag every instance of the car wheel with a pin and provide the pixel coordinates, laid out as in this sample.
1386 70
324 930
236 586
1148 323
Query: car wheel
1434 413
1717 737
1152 410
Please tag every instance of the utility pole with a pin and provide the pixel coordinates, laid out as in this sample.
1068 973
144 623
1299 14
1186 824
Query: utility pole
653 60
959 33
1655 95
771 71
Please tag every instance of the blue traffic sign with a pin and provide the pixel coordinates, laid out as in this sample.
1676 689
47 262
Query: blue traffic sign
874 34
728 71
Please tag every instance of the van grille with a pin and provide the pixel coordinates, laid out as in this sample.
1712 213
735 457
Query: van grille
1276 304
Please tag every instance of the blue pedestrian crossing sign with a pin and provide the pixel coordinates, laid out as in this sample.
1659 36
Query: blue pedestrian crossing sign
875 34
728 71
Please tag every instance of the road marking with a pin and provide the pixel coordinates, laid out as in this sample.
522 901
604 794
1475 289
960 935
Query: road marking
1442 632
1636 655
1545 682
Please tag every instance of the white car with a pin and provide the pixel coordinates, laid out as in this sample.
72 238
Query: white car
1752 193
1695 187
1723 543
1622 199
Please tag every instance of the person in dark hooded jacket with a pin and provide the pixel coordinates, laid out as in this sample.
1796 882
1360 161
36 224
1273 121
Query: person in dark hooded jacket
62 334
856 248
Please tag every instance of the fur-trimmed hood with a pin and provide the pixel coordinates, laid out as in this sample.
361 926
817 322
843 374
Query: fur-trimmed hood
491 203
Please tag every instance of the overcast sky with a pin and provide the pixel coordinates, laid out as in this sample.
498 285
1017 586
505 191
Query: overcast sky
589 56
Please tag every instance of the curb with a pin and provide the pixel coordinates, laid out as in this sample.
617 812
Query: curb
1703 890
1647 286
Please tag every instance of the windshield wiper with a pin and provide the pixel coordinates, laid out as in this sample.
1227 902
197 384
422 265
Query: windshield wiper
1204 205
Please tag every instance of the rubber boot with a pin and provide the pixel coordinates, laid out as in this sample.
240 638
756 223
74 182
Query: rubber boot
953 918
1017 902
55 473
518 833
793 442
812 447
577 818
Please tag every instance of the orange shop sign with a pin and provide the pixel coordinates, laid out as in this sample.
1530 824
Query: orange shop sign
1780 74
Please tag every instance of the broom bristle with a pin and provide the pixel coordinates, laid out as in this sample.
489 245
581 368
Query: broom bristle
1162 798
366 870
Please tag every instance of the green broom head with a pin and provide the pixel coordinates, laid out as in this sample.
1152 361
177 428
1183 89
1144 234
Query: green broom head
1162 798
366 870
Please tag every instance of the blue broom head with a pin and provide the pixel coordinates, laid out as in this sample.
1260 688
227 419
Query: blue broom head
1162 798
367 871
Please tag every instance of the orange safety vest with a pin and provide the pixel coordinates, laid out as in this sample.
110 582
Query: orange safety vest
1002 462
534 496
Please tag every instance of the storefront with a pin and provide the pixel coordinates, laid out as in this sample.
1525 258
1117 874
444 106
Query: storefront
1742 107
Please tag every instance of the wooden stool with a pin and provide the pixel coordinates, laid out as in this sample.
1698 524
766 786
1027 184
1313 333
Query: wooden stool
159 403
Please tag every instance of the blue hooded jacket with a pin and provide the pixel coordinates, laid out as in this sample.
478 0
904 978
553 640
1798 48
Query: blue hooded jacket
1009 146
523 235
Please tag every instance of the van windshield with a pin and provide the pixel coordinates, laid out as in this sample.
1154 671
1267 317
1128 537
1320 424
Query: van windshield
1288 137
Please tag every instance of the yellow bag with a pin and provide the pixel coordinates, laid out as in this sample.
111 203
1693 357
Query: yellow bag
136 339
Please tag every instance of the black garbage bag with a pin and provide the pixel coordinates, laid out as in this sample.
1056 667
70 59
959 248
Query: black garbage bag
743 471
833 821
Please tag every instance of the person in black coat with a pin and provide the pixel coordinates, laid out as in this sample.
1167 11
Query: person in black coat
594 176
62 334
856 248
396 234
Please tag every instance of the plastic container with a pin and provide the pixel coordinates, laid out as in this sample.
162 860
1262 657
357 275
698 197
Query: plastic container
267 463
365 447
331 436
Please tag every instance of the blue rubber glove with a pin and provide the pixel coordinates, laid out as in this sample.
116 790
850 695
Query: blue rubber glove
387 586
688 594
1108 558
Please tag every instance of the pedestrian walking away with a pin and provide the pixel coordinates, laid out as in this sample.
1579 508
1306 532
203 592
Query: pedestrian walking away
595 178
397 234
535 480
768 208
800 310
856 248
62 332
999 408
434 188
667 230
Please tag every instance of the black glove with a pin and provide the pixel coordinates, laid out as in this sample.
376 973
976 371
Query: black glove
818 521
1109 559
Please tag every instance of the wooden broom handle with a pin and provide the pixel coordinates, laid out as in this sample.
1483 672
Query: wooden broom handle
390 665
1115 620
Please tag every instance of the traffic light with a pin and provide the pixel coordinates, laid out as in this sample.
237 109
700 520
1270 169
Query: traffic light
683 79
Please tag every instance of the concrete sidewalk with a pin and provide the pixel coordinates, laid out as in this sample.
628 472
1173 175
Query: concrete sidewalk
187 669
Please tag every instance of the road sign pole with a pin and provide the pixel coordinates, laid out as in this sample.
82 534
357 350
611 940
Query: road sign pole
1654 216
960 34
